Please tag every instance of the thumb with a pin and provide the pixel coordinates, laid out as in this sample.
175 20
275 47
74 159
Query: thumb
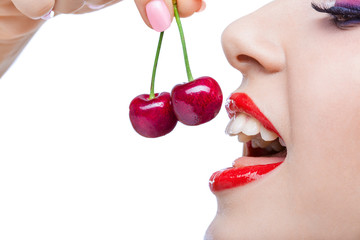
34 9
158 14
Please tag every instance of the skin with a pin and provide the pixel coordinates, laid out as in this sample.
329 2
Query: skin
21 19
302 72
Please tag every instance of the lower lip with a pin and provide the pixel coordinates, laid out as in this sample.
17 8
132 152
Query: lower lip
239 176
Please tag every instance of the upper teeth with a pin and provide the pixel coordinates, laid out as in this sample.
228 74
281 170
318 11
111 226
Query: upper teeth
282 143
248 128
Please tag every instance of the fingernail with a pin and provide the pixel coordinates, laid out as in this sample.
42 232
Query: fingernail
95 7
203 6
158 15
48 15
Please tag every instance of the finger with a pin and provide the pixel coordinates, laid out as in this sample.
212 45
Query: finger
34 9
68 6
158 14
189 7
91 8
99 4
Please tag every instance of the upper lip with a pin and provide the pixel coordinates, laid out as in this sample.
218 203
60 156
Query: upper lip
241 102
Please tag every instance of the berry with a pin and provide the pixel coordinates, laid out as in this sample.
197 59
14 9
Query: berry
152 117
198 101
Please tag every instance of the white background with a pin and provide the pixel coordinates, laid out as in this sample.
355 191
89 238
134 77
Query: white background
72 167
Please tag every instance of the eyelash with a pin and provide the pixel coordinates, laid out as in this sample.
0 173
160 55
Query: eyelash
343 17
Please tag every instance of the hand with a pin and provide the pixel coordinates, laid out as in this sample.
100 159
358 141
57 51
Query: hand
21 18
40 8
158 14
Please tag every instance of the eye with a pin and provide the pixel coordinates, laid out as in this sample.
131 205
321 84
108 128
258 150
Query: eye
344 15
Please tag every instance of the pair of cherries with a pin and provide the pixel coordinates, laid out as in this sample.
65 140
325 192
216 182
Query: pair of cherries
193 103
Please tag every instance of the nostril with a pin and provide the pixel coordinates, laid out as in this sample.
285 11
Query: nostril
247 59
267 61
244 62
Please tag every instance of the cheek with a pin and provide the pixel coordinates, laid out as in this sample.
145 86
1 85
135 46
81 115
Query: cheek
325 106
324 89
324 102
323 86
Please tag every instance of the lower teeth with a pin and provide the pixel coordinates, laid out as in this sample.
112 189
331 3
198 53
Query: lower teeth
244 138
256 141
269 146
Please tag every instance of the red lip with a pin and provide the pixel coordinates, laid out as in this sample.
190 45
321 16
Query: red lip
241 102
238 176
235 177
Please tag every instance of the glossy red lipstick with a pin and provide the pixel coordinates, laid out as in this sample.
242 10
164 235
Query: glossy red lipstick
253 166
235 177
241 102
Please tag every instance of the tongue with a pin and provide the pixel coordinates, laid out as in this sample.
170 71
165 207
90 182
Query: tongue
252 161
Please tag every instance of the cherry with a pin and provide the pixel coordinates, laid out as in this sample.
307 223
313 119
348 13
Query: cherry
198 101
192 103
152 117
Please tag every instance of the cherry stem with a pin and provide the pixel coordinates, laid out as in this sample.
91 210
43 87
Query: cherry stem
152 87
186 58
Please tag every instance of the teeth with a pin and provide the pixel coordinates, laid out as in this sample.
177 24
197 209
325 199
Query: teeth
236 124
244 138
254 143
276 146
267 135
263 144
259 142
282 143
252 127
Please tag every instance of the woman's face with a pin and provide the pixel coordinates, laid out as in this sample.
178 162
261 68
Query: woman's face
303 73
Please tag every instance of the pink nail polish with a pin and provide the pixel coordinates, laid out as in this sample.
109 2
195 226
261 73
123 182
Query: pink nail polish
158 15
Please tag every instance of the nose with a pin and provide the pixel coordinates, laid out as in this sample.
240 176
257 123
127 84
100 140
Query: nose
253 43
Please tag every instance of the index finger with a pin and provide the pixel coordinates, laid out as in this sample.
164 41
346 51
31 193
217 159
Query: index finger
158 14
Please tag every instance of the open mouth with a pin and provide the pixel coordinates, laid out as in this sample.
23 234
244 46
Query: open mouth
264 149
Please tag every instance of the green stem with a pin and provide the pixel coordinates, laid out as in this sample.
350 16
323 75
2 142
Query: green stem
152 87
186 58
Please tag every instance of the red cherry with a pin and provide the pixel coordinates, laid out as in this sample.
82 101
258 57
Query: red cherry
198 101
152 117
